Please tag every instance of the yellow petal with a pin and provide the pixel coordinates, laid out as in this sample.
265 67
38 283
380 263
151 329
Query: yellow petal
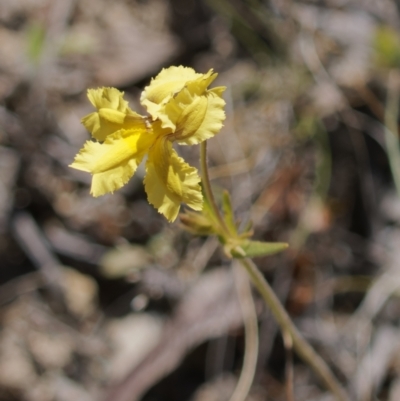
168 82
93 125
167 85
113 113
110 98
200 85
170 181
193 118
113 162
112 116
179 98
201 119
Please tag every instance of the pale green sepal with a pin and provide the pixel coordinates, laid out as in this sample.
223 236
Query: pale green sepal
197 223
252 249
228 212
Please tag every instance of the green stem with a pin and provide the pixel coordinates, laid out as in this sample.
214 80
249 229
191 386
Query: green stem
391 127
288 343
207 188
302 347
300 344
250 323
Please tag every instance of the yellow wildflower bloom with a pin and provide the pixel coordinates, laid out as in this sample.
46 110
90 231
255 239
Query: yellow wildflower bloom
113 113
182 110
170 181
179 98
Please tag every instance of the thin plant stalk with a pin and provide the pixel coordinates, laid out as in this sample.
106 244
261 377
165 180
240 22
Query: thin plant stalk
288 343
207 187
300 344
391 128
250 322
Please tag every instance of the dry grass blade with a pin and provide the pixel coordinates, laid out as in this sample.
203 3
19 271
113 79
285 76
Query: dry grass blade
35 245
373 367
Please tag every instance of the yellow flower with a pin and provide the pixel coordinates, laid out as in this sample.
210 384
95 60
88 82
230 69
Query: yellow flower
179 98
113 113
182 110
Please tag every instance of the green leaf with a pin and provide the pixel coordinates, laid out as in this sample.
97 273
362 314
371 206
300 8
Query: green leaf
208 212
228 212
247 231
197 223
257 248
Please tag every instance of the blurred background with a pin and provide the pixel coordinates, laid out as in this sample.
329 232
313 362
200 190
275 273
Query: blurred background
102 299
